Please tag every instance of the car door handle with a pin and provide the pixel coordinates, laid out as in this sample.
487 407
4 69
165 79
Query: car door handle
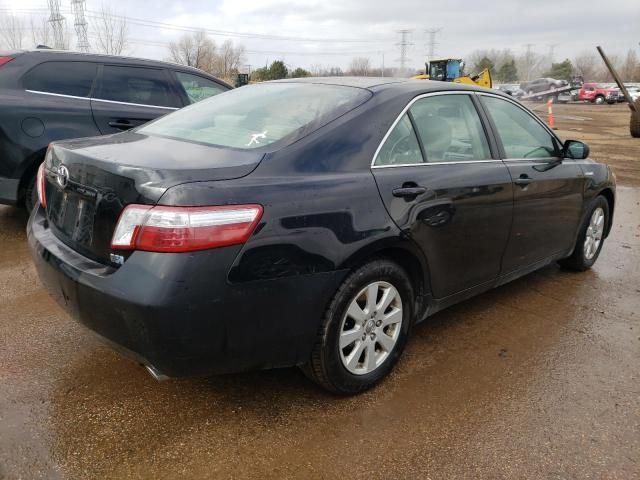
121 124
523 180
408 192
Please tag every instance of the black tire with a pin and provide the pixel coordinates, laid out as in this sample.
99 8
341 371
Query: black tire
578 261
599 100
325 366
634 123
31 194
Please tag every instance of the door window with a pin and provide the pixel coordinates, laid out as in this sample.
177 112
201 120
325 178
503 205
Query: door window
450 129
63 78
521 134
401 146
146 86
197 87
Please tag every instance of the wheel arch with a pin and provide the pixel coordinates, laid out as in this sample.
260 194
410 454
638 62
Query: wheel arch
29 170
607 193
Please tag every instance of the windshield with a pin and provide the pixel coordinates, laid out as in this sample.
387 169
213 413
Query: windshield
255 116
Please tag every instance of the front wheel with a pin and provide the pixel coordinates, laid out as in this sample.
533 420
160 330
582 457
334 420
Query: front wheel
590 238
364 330
599 100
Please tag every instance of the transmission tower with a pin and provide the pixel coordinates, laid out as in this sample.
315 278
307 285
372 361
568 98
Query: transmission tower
403 44
78 8
57 23
432 41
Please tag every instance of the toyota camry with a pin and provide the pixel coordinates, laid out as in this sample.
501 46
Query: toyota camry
309 222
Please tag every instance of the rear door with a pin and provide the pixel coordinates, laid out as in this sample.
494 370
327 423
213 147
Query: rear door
128 96
548 190
443 186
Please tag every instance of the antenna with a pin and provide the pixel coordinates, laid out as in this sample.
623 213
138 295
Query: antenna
78 8
403 44
57 23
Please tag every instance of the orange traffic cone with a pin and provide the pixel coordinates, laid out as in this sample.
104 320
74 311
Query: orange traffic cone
550 112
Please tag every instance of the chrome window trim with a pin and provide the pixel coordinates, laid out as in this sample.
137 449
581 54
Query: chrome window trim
403 113
100 100
534 116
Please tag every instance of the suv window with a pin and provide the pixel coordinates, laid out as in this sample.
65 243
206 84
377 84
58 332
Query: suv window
450 129
522 135
146 86
198 88
401 146
64 78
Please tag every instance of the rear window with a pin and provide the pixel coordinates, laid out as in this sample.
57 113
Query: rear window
64 78
256 116
144 86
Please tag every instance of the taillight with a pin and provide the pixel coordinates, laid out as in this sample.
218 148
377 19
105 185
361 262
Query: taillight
4 60
40 186
184 229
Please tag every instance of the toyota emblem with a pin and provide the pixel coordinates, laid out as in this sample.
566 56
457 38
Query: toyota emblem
62 177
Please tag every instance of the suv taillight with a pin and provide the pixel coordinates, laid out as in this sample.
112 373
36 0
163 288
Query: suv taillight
40 186
4 60
184 229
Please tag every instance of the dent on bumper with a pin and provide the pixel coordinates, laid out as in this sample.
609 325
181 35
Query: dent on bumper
178 312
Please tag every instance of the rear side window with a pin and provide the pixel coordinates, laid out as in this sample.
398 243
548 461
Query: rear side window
64 78
145 86
198 88
256 116
450 129
401 146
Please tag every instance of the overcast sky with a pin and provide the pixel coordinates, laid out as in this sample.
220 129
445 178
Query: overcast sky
332 32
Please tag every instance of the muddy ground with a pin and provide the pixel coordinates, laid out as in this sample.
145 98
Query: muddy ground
536 379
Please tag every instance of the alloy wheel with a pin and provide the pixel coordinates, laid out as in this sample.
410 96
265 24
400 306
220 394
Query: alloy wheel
594 233
370 328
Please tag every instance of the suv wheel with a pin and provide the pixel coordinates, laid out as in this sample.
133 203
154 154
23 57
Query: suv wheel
364 330
590 238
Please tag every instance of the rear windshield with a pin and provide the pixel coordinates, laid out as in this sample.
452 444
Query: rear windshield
256 116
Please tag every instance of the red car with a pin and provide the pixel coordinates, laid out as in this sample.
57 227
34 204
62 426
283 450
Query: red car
598 93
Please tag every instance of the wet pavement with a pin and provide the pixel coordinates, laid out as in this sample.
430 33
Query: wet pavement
536 379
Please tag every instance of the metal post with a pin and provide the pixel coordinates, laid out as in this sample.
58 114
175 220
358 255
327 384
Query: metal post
615 76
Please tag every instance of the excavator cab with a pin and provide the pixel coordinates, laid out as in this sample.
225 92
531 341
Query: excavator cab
445 70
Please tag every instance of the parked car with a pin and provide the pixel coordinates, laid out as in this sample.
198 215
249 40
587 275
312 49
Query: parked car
48 95
598 93
541 85
309 222
634 92
512 89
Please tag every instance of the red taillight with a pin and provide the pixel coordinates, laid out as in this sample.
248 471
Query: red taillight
184 229
40 186
4 60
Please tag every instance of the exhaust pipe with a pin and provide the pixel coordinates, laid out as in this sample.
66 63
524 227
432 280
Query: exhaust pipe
155 373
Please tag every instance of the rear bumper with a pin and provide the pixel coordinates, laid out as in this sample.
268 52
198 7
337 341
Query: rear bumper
9 190
178 313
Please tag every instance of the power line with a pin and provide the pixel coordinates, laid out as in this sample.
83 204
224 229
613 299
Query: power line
432 42
403 44
57 23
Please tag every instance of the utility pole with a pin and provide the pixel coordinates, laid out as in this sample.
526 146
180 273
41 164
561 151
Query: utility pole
552 48
57 23
78 8
528 59
432 42
403 44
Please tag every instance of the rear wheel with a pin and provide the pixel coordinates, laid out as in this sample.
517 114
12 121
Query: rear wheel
634 123
364 330
590 238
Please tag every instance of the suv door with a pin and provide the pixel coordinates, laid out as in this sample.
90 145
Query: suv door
443 186
547 188
128 96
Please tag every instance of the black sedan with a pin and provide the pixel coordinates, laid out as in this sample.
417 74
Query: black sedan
309 222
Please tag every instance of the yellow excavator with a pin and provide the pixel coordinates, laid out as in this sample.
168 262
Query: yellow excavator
450 70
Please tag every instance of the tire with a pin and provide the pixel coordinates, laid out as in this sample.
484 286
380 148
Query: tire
30 194
634 123
346 370
582 257
599 100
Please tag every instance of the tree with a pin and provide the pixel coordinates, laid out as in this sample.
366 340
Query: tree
360 66
630 68
278 70
12 31
586 64
508 72
228 59
560 71
485 62
194 50
112 32
300 72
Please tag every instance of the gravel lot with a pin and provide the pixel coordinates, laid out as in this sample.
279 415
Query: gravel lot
536 379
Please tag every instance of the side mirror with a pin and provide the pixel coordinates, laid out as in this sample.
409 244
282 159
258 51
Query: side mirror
575 150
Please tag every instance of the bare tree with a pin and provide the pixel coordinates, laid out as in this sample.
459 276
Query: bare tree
529 64
228 59
194 50
360 66
12 31
112 32
587 65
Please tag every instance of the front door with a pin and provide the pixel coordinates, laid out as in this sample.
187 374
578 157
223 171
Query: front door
548 190
443 187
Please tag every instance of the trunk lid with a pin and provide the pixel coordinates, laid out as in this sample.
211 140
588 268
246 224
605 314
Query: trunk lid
88 182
